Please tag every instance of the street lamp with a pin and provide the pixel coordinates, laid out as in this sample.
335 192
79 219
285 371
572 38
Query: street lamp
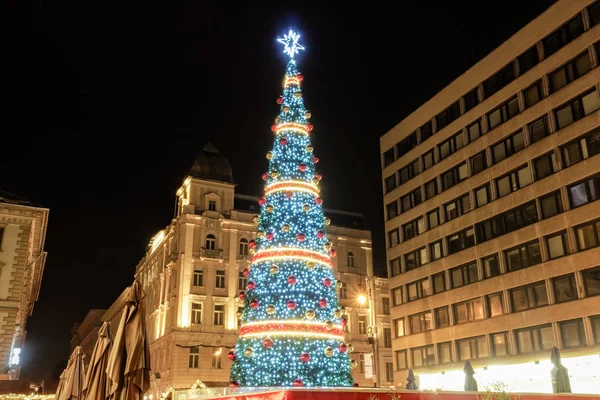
372 329
362 299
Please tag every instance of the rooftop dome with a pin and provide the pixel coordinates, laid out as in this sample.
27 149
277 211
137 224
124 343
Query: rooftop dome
211 165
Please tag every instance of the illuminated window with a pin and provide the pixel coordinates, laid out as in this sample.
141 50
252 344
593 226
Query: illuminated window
495 304
401 362
220 279
451 145
196 313
454 175
419 289
577 108
243 247
219 315
442 318
503 113
457 207
584 192
421 322
445 352
210 242
581 148
491 267
529 296
343 291
436 250
513 181
399 327
413 228
423 356
551 204
591 281
595 321
242 281
433 218
216 360
588 235
464 275
416 259
534 339
472 348
572 334
362 324
508 147
564 288
439 282
397 295
470 310
557 245
194 357
350 259
499 344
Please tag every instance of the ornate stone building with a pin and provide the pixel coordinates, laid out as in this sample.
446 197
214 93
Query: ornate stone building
22 259
192 275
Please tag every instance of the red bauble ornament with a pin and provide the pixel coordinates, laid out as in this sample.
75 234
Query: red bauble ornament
251 285
291 304
280 100
246 272
322 303
315 159
262 201
268 343
269 235
302 167
231 355
252 244
254 303
327 282
283 141
344 321
318 176
241 295
234 384
309 127
343 347
304 357
318 200
301 237
298 382
300 77
320 234
274 127
289 194
332 253
292 280
265 176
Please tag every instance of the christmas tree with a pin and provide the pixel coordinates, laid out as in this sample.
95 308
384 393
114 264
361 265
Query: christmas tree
292 328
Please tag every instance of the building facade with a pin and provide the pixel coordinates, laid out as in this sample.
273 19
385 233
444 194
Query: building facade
192 275
492 223
22 260
84 334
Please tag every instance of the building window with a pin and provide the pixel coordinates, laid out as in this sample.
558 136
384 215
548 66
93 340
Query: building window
216 359
528 60
406 145
393 237
544 165
343 291
483 195
388 157
584 191
464 275
495 304
390 183
508 147
387 337
427 131
534 339
416 259
220 279
472 348
509 221
458 207
564 288
502 78
385 305
563 35
461 240
395 266
474 130
570 71
413 228
219 314
194 357
389 372
591 281
491 267
240 312
401 359
436 250
433 218
421 322
523 256
350 259
362 324
538 129
428 159
399 327
409 172
577 108
471 99
411 200
418 290
198 277
423 356
594 12
557 245
243 247
397 296
451 145
529 296
1 236
210 242
392 210
572 334
447 116
442 318
478 163
212 205
551 204
455 175
513 181
196 313
445 352
582 148
470 310
503 113
242 281
595 321
499 344
533 94
361 363
430 189
588 235
439 282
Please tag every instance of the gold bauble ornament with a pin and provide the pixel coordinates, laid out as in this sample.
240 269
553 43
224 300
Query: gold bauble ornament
315 181
251 251
310 314
269 155
339 284
307 115
329 351
327 220
311 265
238 314
327 245
270 208
274 174
353 364
306 208
255 219
309 148
260 234
337 313
248 352
286 109
329 324
277 119
285 228
274 269
350 348
271 309
298 95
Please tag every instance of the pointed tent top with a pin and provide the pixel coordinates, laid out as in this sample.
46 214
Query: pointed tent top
104 330
555 356
211 165
135 292
210 148
469 368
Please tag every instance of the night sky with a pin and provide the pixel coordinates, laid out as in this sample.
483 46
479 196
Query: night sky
109 103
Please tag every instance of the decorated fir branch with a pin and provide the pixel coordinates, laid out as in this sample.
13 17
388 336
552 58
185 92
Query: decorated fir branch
292 327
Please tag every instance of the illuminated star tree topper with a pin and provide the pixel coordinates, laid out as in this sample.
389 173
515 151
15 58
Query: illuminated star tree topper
290 43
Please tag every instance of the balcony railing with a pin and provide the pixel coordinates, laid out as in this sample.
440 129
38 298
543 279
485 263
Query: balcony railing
215 254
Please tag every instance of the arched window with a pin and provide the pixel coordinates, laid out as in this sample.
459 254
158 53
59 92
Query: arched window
243 247
210 242
350 259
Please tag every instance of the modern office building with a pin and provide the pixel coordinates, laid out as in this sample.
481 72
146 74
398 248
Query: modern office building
492 218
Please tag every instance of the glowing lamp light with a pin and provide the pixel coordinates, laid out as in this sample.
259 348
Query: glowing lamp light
362 299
